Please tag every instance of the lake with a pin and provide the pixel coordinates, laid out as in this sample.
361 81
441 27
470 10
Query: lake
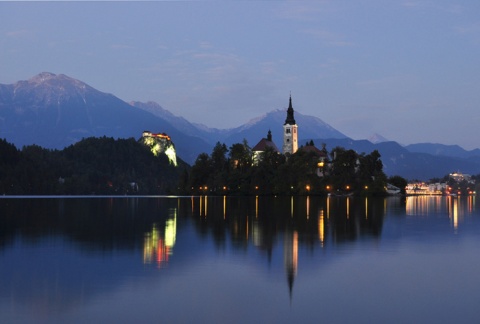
239 260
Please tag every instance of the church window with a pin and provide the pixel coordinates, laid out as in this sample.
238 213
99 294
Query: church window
287 131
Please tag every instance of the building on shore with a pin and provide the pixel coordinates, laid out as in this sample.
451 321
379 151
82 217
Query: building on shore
422 188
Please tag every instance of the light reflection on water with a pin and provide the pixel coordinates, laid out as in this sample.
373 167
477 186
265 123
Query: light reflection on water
234 259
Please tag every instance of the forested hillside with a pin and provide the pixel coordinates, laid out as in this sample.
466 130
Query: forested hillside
92 166
234 171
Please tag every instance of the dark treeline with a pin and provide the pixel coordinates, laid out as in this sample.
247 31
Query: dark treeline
107 166
103 166
234 170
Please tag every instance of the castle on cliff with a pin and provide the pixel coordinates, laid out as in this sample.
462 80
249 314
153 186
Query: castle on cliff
160 143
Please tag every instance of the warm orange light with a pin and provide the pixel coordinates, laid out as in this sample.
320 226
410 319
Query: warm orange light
307 187
320 164
328 187
224 188
366 187
161 136
150 134
256 187
348 187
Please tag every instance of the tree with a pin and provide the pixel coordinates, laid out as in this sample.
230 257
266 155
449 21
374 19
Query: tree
219 166
241 156
9 159
241 160
293 174
263 175
219 158
183 182
370 173
201 172
343 169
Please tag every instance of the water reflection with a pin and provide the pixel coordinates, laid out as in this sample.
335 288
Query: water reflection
129 223
83 248
457 211
290 255
158 246
456 207
347 218
113 222
321 228
295 221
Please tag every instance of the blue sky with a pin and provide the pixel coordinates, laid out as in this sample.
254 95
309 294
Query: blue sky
408 70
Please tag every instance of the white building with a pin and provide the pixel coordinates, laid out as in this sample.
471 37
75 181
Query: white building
290 132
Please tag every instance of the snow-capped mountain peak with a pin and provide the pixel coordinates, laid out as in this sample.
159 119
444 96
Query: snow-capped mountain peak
377 138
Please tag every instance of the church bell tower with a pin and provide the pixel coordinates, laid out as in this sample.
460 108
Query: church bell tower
290 132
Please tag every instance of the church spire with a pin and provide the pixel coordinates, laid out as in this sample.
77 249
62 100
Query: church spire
269 136
290 131
290 119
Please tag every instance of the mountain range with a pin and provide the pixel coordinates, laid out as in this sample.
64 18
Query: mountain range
55 111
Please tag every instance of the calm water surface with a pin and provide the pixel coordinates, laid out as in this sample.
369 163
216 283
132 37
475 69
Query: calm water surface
241 260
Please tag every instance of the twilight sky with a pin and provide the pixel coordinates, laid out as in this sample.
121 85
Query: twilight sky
407 69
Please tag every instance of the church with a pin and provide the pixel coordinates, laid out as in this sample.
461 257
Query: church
290 137
290 142
290 131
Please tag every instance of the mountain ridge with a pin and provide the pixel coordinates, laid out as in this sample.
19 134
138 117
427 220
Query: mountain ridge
443 150
255 129
55 111
398 160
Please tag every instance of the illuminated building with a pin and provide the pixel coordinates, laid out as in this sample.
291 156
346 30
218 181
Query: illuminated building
290 132
322 155
422 188
162 135
290 137
459 177
258 149
160 143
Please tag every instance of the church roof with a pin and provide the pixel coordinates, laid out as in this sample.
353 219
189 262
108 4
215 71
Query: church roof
263 144
312 148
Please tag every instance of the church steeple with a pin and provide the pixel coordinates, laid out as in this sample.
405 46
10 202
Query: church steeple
290 119
290 134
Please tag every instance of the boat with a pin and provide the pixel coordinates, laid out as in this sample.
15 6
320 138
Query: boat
392 190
